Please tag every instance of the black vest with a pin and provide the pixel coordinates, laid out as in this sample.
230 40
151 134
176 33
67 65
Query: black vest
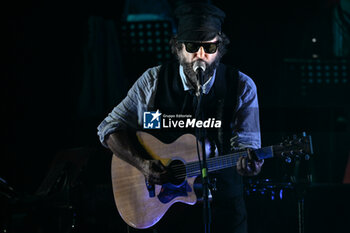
219 103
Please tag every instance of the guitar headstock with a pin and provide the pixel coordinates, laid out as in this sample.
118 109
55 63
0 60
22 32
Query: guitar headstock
294 148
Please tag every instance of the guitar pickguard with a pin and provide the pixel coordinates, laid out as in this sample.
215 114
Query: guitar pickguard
170 191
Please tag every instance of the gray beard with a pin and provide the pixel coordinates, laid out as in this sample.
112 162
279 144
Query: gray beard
191 75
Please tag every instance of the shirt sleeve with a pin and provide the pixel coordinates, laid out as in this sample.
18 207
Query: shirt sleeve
129 112
246 128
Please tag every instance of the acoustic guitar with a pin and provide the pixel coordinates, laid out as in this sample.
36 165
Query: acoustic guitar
142 205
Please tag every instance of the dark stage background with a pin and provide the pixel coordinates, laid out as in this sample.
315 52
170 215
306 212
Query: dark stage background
67 64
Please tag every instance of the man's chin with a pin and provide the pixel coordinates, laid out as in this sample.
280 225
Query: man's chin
188 67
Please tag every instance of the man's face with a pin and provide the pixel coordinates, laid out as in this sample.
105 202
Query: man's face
187 60
208 58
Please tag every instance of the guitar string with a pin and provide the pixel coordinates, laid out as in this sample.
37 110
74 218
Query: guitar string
192 168
229 161
213 165
211 162
214 159
197 172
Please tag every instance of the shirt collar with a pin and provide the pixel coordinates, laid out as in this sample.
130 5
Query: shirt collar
188 86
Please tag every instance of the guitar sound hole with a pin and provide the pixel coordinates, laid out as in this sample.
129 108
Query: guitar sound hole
177 171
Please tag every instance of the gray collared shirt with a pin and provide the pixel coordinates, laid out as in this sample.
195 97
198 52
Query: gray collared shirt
141 97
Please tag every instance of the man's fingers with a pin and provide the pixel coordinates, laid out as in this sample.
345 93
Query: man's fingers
160 165
249 152
260 162
245 164
239 164
252 155
249 165
157 166
154 179
157 173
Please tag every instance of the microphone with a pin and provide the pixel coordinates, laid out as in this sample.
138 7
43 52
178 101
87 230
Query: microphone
199 68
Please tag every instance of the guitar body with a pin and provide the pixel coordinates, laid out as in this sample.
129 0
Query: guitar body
141 205
131 195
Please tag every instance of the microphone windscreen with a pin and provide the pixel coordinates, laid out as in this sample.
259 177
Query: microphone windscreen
199 65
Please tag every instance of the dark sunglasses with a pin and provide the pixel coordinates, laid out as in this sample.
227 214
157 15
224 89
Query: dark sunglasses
192 47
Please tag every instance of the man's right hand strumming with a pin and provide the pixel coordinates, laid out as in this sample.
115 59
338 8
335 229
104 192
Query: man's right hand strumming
121 144
155 172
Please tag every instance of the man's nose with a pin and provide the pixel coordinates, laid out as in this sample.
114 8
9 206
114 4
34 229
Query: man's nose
201 52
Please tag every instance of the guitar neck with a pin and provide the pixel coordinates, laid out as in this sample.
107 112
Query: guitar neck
226 161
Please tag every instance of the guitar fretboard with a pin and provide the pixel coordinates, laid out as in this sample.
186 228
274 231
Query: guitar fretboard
226 161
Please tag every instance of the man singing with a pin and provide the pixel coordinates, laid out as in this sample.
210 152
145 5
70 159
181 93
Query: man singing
173 88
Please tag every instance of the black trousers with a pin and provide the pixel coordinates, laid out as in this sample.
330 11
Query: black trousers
228 216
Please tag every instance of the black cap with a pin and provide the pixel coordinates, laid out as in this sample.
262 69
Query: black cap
198 21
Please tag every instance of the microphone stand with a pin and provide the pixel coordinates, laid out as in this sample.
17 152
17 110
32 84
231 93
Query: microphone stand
201 134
